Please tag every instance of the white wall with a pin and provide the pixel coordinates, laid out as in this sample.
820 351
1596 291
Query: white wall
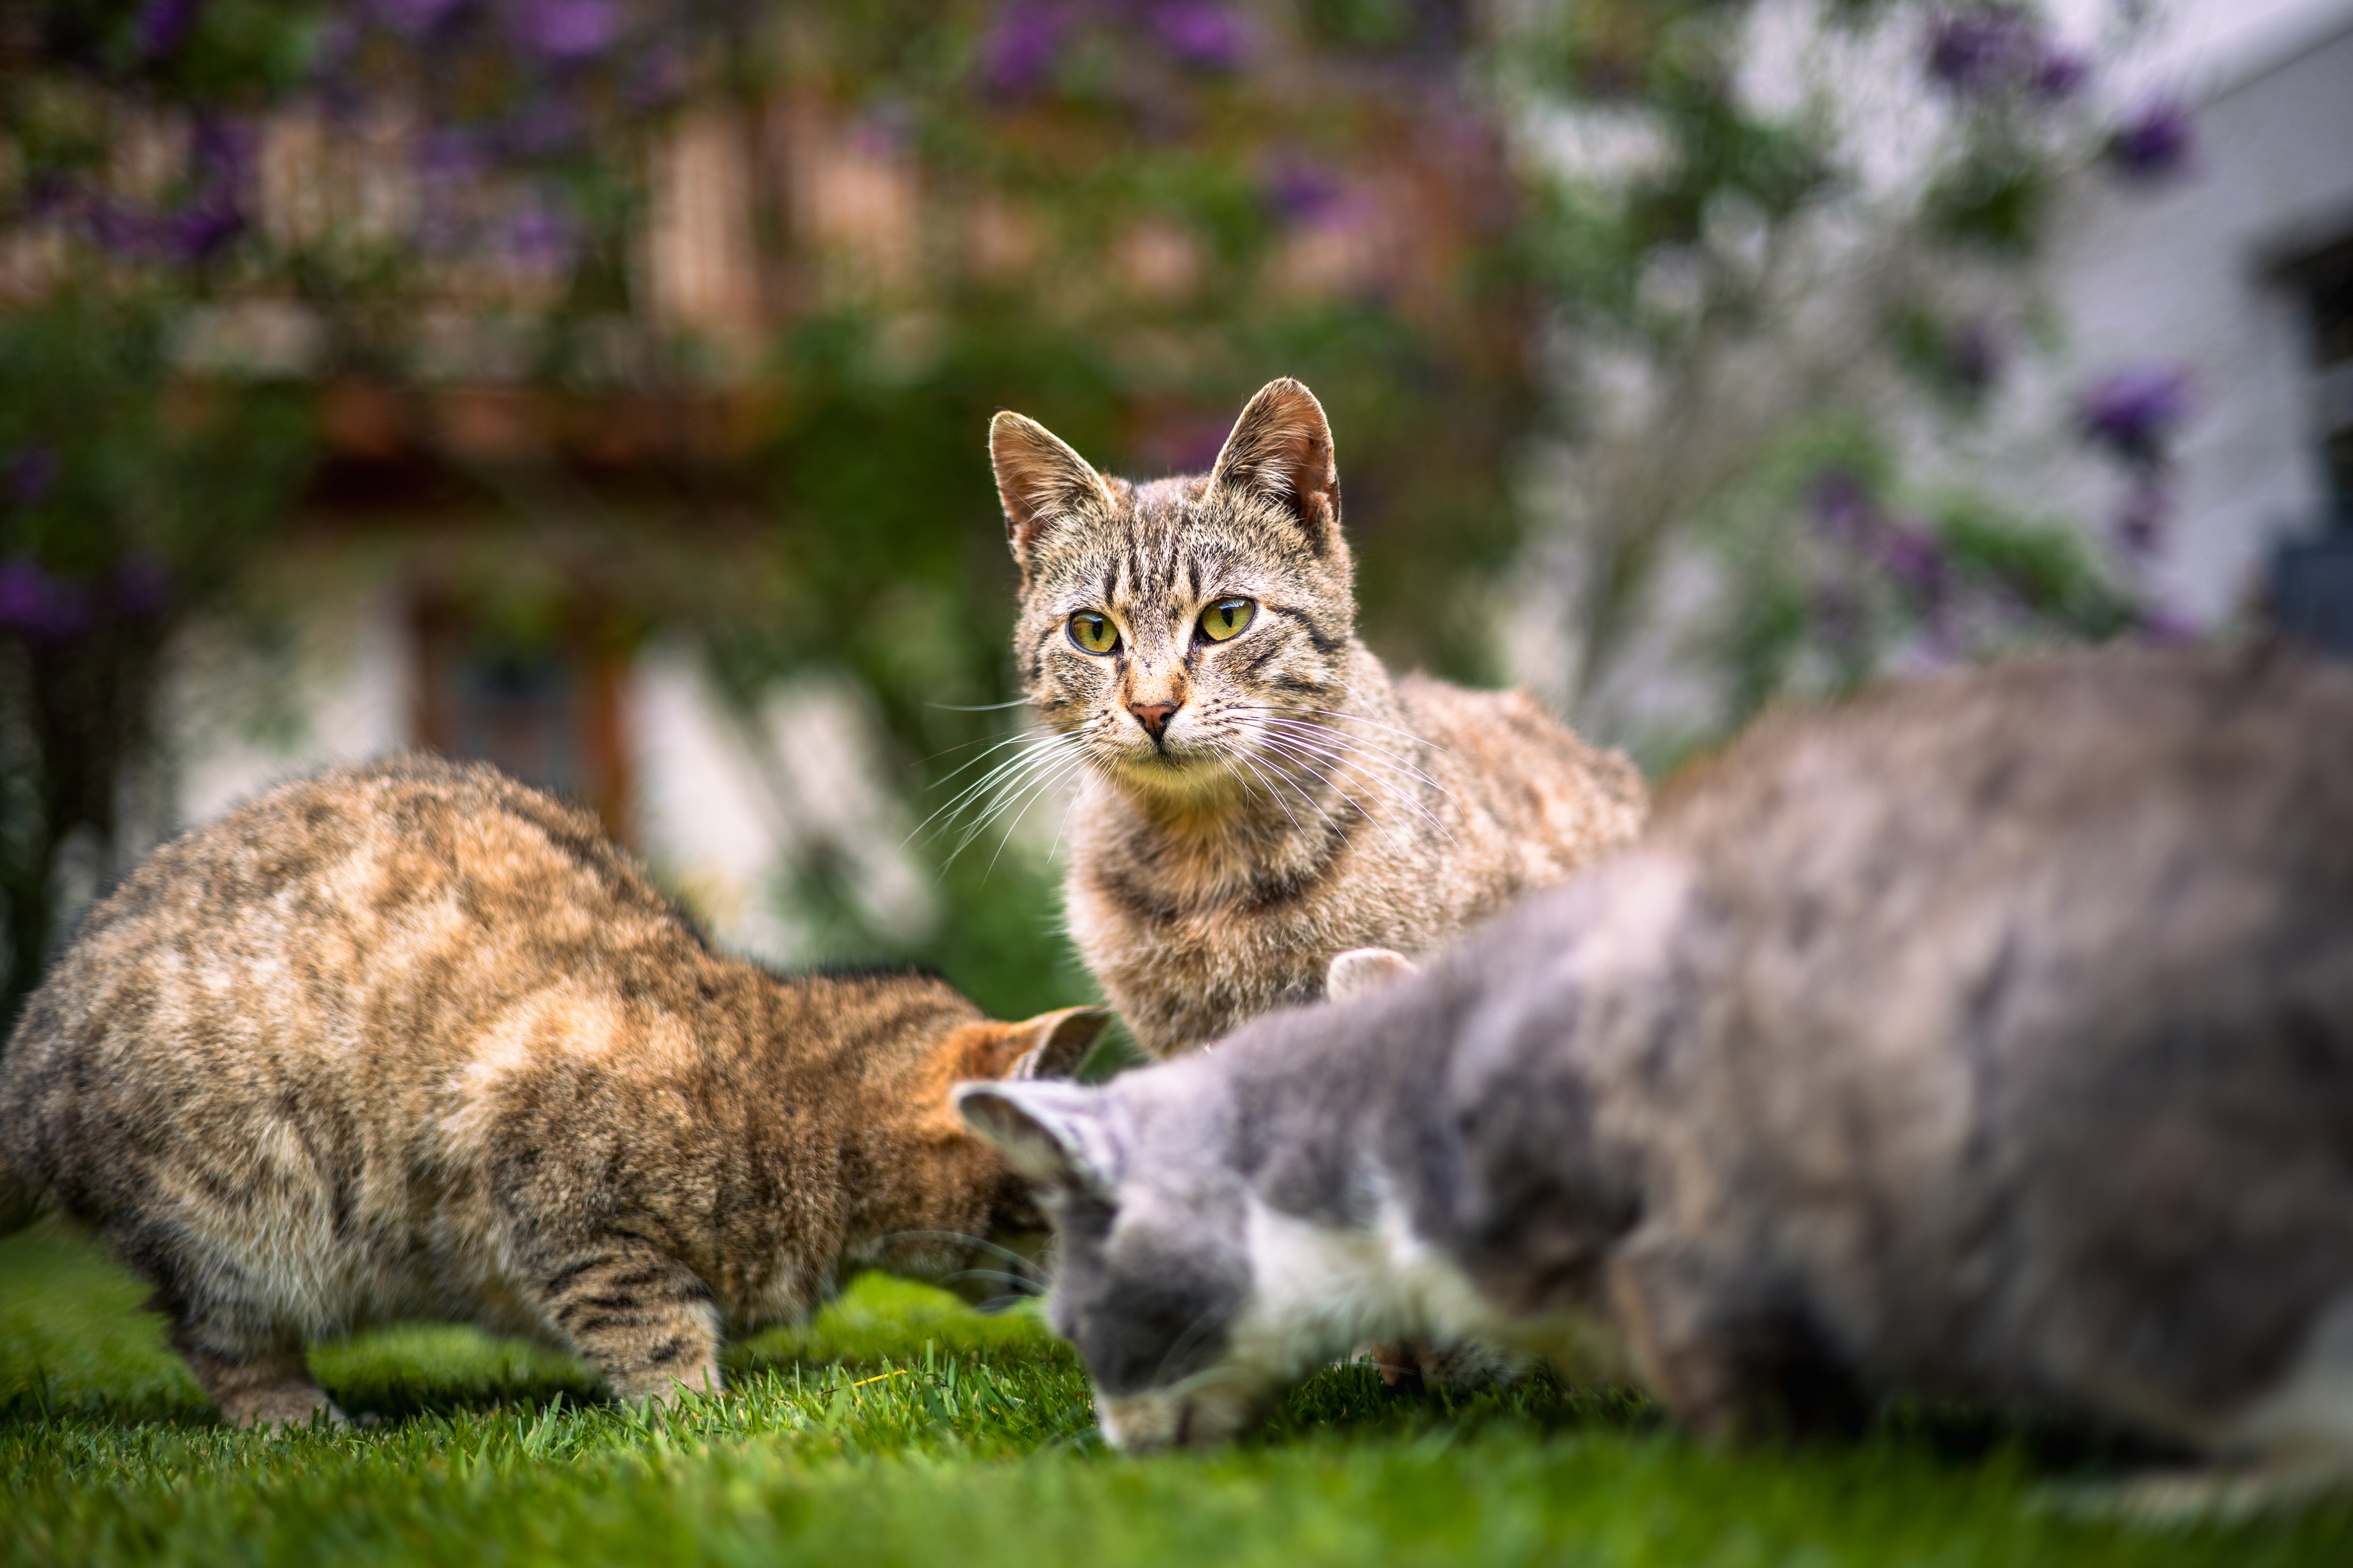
2183 272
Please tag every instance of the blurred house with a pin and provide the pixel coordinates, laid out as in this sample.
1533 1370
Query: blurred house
2213 294
757 213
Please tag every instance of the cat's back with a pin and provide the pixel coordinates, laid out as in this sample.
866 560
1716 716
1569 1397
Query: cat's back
381 914
1529 793
2181 756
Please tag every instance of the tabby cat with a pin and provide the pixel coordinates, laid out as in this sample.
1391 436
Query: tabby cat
411 1040
1988 1037
1257 793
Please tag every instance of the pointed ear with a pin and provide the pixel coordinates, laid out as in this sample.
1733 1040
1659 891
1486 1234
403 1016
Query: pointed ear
1054 1135
1038 481
1361 969
1058 1042
1281 450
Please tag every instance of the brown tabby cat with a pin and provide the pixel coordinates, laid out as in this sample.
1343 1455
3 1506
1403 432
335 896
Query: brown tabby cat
1259 795
411 1040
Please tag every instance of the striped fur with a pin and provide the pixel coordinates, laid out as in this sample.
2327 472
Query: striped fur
1299 802
411 1040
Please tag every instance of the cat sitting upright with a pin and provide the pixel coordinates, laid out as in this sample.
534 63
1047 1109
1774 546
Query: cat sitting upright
1988 1036
1256 793
414 1041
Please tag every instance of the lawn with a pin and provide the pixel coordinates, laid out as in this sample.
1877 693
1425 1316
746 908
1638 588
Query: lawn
902 1428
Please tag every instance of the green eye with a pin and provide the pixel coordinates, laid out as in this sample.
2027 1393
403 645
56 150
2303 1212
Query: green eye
1226 616
1094 633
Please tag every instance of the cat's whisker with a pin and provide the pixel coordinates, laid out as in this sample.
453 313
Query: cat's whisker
1354 744
1388 783
1326 735
987 799
1102 774
1272 793
1361 718
1294 745
956 815
1034 792
993 743
1017 739
1398 832
1020 787
979 707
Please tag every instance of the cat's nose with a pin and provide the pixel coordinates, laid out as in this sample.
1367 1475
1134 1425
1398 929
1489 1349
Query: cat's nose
1153 716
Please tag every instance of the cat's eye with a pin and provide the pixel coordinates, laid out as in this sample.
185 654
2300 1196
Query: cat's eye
1226 618
1094 633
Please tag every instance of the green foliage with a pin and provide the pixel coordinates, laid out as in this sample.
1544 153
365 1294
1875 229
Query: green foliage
125 511
2000 204
1830 566
900 1427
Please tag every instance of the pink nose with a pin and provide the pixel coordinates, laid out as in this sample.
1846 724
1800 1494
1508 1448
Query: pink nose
1153 716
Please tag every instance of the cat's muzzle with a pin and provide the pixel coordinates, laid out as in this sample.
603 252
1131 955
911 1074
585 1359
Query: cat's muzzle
1192 1414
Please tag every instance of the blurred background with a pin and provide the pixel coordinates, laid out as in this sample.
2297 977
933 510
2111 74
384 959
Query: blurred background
600 387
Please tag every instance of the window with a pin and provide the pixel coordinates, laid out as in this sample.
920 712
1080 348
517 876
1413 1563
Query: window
2312 580
2328 294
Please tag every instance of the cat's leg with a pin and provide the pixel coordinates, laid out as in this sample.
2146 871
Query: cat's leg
642 1319
264 1384
1725 1350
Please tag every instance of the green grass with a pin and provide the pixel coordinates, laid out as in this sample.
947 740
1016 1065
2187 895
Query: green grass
902 1428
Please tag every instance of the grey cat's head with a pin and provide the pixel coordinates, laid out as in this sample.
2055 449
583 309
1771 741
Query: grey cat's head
1193 1302
1172 631
1153 1280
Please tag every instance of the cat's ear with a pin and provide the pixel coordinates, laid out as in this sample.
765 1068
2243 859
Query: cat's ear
1360 969
1039 481
1055 1135
1281 450
1051 1045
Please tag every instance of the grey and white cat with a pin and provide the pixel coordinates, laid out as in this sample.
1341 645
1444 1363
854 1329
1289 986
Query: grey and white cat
1988 1036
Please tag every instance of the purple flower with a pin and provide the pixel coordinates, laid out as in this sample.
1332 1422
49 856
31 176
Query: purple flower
38 606
31 472
567 30
1200 33
2161 624
2153 143
449 155
2133 411
1843 507
542 239
1999 48
200 232
417 17
164 26
1301 192
2059 73
222 150
1913 557
123 230
1977 51
1019 54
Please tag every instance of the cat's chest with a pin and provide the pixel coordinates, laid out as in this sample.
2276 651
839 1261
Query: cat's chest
1182 976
